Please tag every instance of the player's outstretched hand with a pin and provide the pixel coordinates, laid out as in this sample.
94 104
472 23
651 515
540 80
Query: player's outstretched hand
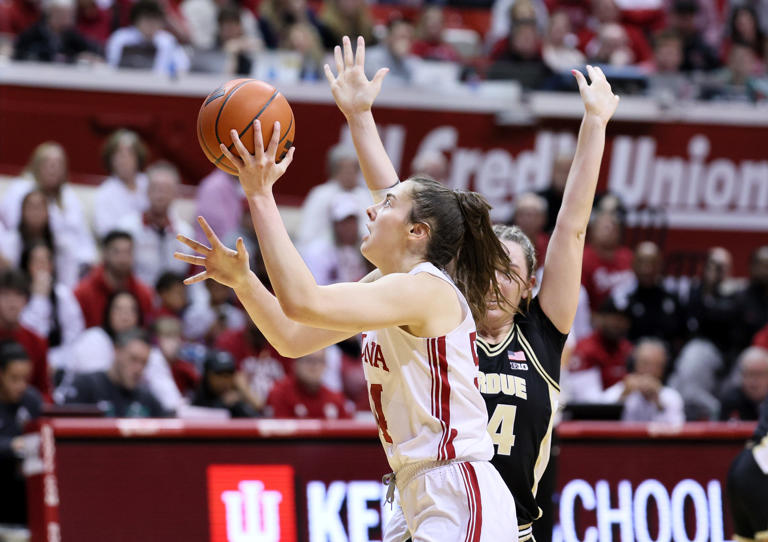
222 264
597 96
351 89
258 171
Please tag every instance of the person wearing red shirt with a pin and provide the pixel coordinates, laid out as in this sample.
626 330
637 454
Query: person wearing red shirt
607 264
600 360
303 394
14 294
259 363
761 338
116 273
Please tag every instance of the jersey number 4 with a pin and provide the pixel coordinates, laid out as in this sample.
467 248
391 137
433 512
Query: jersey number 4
501 427
378 411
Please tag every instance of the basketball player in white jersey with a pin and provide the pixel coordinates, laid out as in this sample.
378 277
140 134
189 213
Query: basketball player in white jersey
522 341
418 326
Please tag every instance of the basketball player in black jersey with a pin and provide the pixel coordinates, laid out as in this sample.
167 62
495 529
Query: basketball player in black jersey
748 485
519 345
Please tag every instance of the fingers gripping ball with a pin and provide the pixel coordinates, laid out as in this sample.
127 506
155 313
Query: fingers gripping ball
235 105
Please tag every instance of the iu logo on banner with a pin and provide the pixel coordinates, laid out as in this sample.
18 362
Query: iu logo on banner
251 503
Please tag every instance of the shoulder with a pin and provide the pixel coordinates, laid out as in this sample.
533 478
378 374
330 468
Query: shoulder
32 400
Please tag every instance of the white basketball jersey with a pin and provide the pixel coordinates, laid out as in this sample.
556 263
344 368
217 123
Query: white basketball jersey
423 391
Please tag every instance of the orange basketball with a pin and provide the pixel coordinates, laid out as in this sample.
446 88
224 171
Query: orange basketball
236 105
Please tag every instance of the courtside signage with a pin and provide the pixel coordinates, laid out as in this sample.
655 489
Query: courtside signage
251 503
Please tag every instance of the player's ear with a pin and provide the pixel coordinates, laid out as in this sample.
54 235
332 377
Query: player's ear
529 286
419 230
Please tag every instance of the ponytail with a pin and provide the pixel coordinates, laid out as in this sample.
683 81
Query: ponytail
463 240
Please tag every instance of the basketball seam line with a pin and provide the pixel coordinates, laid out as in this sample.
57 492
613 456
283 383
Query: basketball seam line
221 108
230 146
208 150
287 129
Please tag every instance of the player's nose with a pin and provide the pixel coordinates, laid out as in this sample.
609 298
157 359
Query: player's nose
371 212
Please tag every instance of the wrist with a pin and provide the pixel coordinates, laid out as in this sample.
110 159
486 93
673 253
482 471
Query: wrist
596 119
359 117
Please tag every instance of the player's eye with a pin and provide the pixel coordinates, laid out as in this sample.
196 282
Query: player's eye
387 203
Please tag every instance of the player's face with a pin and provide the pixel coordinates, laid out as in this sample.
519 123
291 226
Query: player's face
389 225
511 288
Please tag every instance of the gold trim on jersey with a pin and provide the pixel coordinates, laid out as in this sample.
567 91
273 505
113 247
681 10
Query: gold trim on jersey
525 538
492 351
532 357
761 535
524 532
546 443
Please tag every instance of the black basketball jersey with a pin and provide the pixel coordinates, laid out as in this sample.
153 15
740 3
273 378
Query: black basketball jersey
519 380
761 431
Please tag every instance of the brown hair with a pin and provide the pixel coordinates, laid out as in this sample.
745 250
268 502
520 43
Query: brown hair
516 235
460 220
113 141
340 25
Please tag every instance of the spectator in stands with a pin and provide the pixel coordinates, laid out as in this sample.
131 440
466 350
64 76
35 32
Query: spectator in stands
431 163
600 360
258 363
744 29
209 315
666 81
145 45
304 40
234 51
54 38
338 260
519 58
505 13
276 17
14 294
642 391
52 311
154 231
531 216
607 264
217 195
554 192
611 47
19 404
429 43
738 78
742 401
125 190
206 36
18 15
341 18
33 227
221 388
606 12
698 55
303 395
394 53
168 338
559 49
94 21
343 173
752 303
172 294
710 310
119 391
47 171
761 338
95 350
116 273
653 311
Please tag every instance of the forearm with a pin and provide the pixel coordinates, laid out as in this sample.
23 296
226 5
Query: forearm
582 177
375 164
291 279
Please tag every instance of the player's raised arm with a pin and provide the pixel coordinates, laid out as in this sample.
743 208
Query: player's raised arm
354 94
230 268
397 299
559 294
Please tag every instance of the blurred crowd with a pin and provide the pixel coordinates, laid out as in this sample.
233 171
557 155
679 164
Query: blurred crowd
668 49
94 313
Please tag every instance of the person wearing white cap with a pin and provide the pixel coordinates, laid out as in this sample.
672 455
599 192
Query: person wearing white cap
338 259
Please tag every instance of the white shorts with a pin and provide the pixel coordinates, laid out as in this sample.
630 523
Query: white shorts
458 502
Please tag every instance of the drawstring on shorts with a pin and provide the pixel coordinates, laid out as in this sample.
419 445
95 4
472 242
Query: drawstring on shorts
389 481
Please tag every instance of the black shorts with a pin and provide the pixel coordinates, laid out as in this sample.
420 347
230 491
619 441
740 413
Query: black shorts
747 489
